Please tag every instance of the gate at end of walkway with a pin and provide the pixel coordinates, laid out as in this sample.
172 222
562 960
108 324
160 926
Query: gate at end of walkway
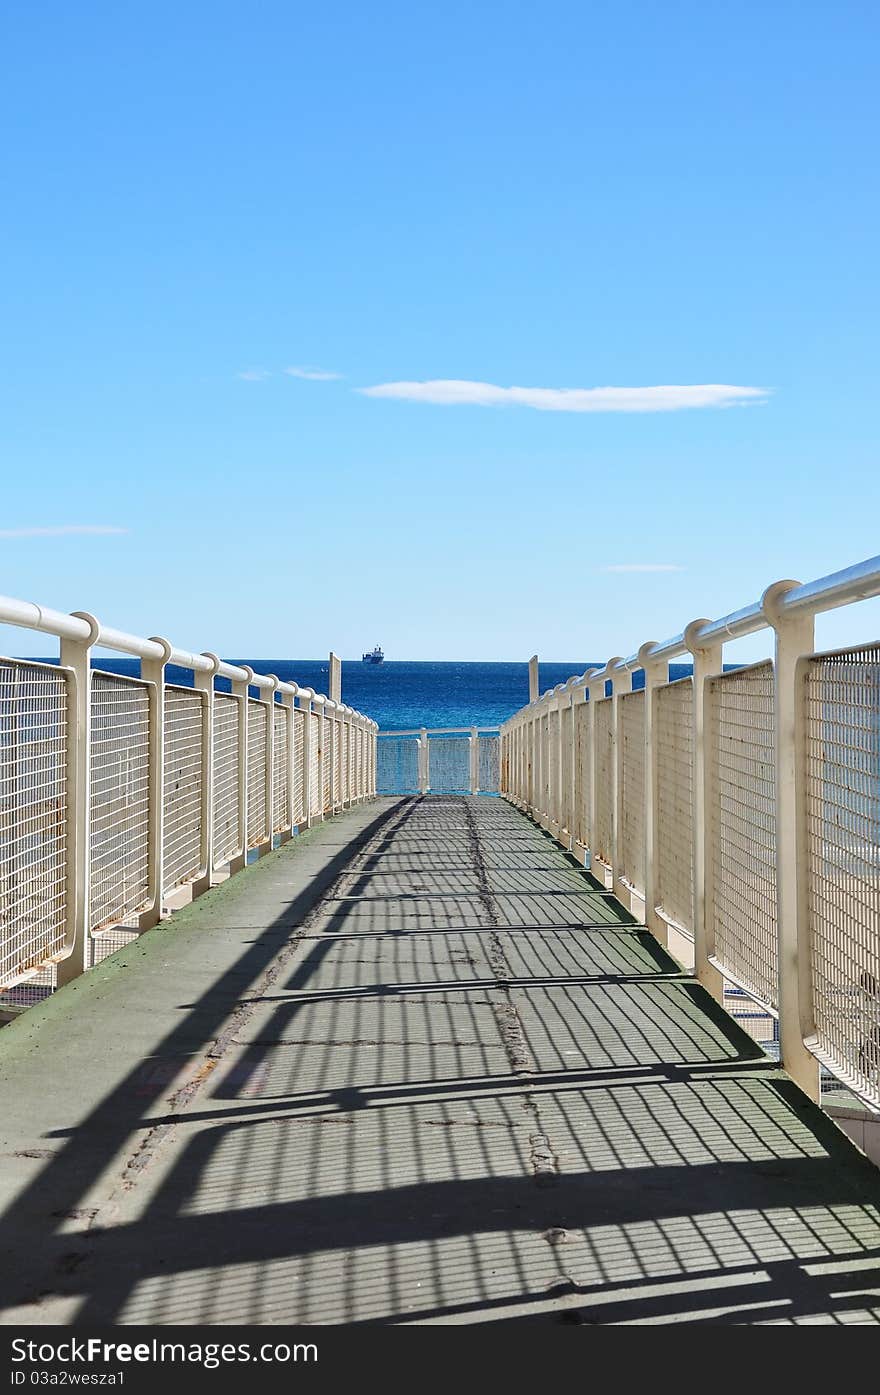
439 760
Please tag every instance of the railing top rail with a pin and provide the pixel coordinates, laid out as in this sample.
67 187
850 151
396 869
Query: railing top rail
87 630
442 731
859 582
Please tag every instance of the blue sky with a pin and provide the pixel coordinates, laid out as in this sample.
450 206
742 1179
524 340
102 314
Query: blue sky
556 197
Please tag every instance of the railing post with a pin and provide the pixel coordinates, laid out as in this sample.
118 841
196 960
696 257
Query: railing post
474 761
580 734
323 754
75 655
304 702
335 755
350 759
707 664
557 793
425 763
596 694
344 756
204 683
374 758
620 683
240 690
153 671
267 698
795 638
288 702
544 739
358 733
656 675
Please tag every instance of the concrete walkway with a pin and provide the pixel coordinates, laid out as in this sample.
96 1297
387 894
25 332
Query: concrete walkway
416 1066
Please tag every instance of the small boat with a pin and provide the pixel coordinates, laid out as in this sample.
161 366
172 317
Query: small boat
373 656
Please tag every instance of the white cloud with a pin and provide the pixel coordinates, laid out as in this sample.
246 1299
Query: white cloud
60 531
314 375
643 567
255 375
457 392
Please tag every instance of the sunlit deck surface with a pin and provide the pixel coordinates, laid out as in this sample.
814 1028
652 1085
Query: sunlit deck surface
416 1066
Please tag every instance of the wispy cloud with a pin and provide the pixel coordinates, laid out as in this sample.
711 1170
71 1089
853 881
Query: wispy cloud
642 567
449 392
314 375
62 530
255 375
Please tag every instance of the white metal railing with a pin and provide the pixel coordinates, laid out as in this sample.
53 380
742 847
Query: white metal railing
116 791
742 808
439 760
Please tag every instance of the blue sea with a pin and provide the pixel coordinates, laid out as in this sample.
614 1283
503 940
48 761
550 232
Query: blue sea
401 695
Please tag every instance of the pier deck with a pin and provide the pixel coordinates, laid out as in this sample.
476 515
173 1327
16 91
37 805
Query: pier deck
416 1066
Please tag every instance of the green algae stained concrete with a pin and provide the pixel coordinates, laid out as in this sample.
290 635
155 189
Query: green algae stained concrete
511 1106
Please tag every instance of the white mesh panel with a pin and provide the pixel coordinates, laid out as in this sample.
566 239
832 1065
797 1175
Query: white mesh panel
674 742
184 726
743 827
33 814
397 765
327 781
631 715
842 695
338 758
488 764
227 757
298 810
583 772
553 793
314 767
280 768
449 769
604 777
120 799
258 724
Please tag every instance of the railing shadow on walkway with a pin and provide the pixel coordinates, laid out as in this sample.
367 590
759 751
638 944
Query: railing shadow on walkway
411 1177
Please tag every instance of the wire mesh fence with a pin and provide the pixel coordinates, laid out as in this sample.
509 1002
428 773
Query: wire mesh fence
34 707
227 778
327 763
185 718
257 758
337 736
281 768
674 736
604 776
632 788
743 828
397 764
488 764
842 739
583 773
316 798
297 735
119 883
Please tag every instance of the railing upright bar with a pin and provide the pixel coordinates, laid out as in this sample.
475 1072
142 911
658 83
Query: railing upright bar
620 683
708 662
425 766
474 761
304 703
240 690
656 675
596 691
75 656
288 702
153 671
794 639
203 682
318 705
